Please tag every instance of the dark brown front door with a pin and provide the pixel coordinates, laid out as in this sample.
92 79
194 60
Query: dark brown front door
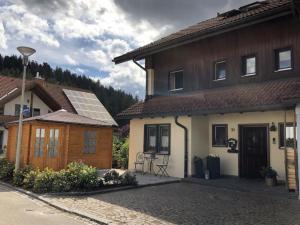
253 150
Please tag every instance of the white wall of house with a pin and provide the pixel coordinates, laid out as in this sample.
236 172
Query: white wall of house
200 139
9 107
176 160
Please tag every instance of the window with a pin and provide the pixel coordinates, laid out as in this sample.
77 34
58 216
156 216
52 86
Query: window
53 142
220 70
36 112
248 65
39 142
90 140
219 135
176 80
26 110
289 135
157 138
283 59
1 110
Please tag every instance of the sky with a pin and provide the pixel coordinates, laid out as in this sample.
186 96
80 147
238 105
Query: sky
85 35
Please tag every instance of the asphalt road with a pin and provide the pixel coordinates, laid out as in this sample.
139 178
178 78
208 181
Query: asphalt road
19 209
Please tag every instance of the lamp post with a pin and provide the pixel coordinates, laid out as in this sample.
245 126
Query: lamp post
25 52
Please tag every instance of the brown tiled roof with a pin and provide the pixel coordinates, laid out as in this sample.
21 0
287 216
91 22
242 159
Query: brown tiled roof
62 116
10 87
7 118
230 19
267 95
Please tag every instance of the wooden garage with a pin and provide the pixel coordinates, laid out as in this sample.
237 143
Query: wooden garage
56 139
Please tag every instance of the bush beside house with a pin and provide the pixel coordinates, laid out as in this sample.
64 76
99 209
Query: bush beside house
77 177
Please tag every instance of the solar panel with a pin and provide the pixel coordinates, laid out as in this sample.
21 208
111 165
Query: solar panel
87 104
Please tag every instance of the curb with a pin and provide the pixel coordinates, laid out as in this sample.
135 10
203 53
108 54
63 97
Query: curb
75 212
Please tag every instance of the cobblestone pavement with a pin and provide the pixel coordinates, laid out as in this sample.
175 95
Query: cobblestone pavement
185 203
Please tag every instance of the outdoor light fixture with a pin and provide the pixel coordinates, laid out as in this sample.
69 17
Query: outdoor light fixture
25 52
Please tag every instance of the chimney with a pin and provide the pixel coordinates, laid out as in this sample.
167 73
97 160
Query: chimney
39 79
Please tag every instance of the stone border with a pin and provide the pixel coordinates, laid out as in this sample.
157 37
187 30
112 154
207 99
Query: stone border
76 212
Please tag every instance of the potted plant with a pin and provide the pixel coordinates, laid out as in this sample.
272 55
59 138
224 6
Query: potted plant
270 176
198 163
213 166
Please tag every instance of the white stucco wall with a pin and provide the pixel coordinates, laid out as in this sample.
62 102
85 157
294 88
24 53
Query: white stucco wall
176 160
229 161
199 140
9 108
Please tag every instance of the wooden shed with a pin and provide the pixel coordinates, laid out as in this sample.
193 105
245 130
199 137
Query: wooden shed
56 139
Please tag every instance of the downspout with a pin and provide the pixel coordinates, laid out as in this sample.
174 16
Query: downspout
185 145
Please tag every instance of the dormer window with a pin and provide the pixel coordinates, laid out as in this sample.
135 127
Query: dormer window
176 80
283 59
220 70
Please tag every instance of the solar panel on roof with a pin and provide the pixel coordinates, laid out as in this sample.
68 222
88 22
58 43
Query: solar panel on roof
87 104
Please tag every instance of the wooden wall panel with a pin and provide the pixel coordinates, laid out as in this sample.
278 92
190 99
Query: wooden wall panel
103 156
197 59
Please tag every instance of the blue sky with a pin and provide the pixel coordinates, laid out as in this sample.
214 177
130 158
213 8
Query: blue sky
85 35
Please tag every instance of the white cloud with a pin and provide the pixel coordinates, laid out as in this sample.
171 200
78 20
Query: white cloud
2 36
70 60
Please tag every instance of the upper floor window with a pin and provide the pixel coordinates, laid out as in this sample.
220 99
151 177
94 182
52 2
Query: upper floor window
219 135
248 65
26 110
220 70
176 80
90 140
36 112
283 59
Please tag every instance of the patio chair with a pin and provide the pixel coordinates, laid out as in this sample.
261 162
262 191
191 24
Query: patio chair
163 166
140 160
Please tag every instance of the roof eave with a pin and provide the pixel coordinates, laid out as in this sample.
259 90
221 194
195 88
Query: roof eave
138 55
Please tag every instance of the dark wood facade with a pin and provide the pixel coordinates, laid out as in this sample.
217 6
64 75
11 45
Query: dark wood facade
197 59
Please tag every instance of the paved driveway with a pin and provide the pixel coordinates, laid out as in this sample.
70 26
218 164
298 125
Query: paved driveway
185 203
19 209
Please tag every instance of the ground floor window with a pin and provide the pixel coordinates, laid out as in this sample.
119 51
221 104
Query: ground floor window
157 138
287 137
39 142
53 142
90 140
219 135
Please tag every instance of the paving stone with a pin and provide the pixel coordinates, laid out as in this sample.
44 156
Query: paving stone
186 203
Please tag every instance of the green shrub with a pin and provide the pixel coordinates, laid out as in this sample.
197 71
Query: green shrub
61 182
20 174
6 170
44 181
29 179
120 152
129 179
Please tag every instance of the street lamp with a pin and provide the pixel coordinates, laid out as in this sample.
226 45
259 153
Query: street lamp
26 52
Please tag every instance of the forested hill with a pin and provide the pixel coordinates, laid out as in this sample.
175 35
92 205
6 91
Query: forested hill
114 100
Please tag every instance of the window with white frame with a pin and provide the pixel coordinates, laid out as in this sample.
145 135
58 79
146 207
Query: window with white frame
39 142
283 59
176 80
248 65
90 141
53 142
220 70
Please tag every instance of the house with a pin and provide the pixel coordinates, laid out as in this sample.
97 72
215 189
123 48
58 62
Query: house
234 77
55 139
41 98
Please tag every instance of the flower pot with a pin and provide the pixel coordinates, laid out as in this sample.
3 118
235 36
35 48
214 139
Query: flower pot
271 181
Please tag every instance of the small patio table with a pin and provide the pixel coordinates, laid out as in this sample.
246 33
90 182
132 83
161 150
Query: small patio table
151 158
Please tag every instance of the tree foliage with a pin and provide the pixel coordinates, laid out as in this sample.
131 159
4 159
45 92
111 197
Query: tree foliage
114 100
